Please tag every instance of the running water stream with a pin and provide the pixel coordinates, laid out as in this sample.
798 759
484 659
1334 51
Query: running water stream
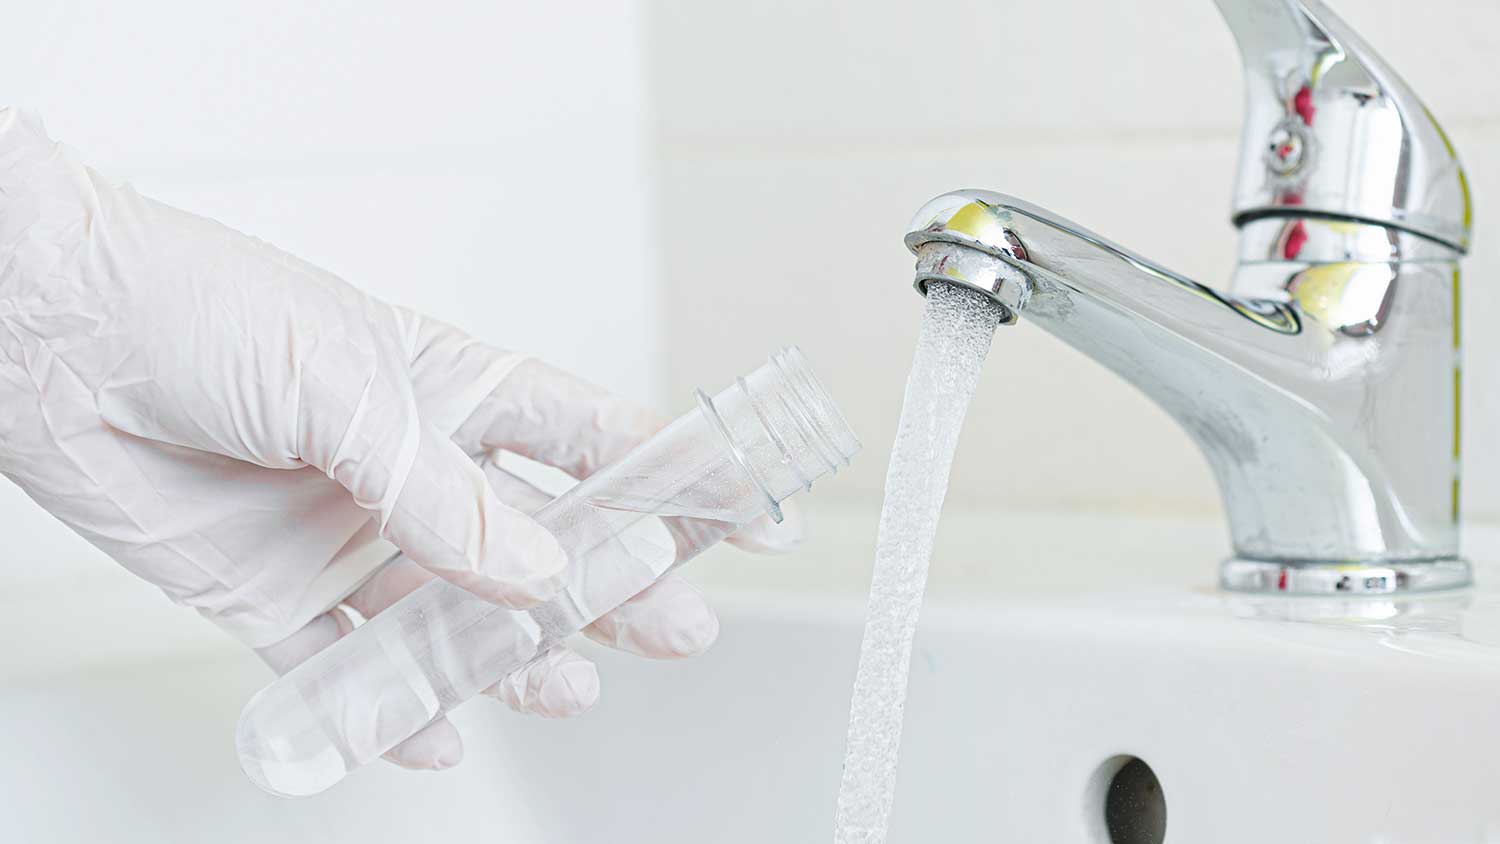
956 334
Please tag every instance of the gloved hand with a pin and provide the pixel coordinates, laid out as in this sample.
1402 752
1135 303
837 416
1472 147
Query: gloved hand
237 427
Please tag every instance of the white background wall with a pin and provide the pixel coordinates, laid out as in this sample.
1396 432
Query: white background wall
796 139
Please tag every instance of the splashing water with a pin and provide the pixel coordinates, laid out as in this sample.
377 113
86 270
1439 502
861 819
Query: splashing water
955 338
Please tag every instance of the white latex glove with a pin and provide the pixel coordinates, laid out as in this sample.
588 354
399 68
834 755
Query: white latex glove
225 420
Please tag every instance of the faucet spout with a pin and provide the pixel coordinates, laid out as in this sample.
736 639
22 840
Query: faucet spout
1320 387
1056 266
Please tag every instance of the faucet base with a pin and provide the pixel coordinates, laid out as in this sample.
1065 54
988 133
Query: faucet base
1300 577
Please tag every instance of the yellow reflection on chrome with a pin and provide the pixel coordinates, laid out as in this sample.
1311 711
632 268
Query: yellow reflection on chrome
979 221
1344 296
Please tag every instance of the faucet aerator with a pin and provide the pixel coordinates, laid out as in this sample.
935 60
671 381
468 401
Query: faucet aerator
952 262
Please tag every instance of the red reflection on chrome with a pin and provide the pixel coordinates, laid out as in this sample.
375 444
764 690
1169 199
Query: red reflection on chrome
1302 103
1296 236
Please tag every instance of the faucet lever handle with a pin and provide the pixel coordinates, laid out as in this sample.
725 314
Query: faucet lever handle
1331 130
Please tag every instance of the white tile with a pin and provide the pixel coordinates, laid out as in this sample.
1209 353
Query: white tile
164 82
490 244
783 72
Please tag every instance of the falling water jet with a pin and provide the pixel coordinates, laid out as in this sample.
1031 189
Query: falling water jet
955 338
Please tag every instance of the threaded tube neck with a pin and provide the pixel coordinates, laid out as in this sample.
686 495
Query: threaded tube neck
782 426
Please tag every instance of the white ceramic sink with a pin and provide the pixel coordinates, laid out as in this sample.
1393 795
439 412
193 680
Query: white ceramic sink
1261 725
1263 719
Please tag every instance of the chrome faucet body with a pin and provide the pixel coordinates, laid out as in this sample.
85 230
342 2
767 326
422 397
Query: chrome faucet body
1322 384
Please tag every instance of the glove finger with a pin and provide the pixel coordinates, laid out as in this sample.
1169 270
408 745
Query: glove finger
514 490
556 418
558 685
436 747
668 620
358 421
561 684
447 519
399 577
392 582
452 373
451 522
486 398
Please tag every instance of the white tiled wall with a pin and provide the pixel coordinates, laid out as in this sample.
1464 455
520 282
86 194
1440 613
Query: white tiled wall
443 158
796 139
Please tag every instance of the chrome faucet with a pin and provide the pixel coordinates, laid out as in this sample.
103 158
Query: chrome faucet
1323 383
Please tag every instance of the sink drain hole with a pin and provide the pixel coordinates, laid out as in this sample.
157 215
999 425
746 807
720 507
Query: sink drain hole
1126 803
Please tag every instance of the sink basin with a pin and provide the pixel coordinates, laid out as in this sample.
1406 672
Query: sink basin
1261 723
1260 719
